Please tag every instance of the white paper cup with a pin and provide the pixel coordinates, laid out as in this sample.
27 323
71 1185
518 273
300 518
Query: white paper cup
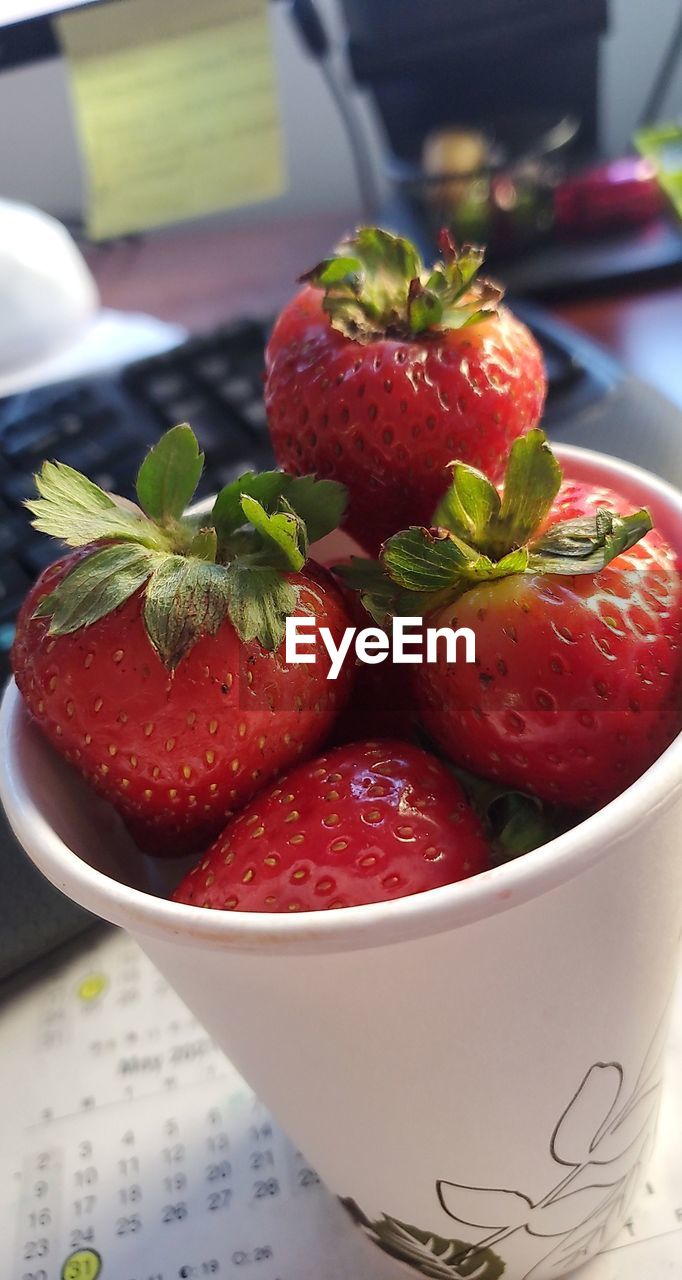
480 1063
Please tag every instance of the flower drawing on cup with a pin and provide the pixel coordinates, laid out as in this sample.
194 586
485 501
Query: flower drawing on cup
599 1141
599 1144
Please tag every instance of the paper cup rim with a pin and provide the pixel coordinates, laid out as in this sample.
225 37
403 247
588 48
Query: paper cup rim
352 928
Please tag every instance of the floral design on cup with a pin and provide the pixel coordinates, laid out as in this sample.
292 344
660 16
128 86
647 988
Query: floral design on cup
601 1142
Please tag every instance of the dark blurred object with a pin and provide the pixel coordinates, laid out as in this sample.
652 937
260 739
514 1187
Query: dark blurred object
495 186
315 40
34 917
624 193
476 64
428 63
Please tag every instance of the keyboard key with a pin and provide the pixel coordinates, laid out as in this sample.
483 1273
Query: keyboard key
14 583
10 534
70 424
87 453
38 552
236 390
164 386
255 415
34 437
17 486
215 367
190 409
221 433
99 448
226 474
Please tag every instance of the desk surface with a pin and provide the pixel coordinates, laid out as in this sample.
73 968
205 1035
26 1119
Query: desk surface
199 277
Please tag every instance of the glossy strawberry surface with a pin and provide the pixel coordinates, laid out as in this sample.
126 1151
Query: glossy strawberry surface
363 823
577 686
386 417
176 752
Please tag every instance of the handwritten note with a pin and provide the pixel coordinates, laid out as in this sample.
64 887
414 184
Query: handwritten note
176 108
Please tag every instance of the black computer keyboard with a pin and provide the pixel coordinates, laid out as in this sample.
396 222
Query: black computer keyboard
101 426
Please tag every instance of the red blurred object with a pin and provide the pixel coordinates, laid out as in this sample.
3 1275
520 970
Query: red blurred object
622 193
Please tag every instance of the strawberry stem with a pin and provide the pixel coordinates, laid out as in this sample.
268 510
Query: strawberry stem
480 535
376 285
233 565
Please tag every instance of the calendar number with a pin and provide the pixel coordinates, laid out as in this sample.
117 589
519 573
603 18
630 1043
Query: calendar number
36 1248
174 1212
265 1187
86 1264
218 1200
78 1239
128 1226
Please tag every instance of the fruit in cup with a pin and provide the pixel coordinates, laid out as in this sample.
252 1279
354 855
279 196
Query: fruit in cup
379 372
577 614
151 655
367 822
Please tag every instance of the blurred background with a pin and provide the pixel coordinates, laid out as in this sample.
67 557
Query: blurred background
39 155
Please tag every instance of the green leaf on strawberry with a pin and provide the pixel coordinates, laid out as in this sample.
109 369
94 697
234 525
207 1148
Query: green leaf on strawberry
97 586
76 511
586 542
319 503
259 601
185 598
169 475
195 571
515 821
480 535
284 532
377 285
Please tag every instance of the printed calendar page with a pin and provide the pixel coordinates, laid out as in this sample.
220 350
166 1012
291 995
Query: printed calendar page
132 1149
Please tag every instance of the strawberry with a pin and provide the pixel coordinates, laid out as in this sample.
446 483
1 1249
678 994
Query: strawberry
379 372
576 688
151 655
362 823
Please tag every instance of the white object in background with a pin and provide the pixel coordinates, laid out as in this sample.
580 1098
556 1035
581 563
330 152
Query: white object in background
51 324
47 295
111 340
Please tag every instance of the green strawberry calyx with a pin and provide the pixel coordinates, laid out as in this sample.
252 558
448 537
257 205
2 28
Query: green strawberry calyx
196 570
479 535
376 285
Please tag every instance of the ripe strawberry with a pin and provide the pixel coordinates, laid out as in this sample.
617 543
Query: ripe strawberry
577 683
363 823
152 655
380 372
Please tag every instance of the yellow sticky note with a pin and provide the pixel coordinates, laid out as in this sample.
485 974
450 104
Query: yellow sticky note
176 108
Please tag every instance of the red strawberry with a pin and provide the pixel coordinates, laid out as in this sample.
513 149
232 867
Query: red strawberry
380 372
577 683
363 823
152 658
